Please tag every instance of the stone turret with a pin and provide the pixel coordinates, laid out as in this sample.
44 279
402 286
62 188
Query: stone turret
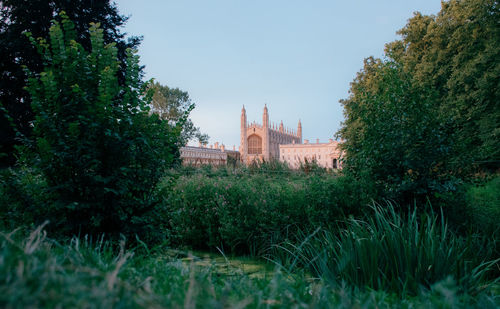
265 117
243 142
299 131
265 139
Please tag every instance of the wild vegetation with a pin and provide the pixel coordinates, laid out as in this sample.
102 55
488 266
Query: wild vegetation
36 271
98 212
247 213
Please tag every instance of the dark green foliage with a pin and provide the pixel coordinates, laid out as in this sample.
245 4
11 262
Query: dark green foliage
483 207
95 144
457 54
392 135
428 114
248 212
17 17
391 252
23 193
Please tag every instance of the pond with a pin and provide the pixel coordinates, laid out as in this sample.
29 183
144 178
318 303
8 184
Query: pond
227 265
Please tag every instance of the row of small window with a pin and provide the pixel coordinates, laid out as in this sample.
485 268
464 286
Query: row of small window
306 150
335 163
297 157
196 154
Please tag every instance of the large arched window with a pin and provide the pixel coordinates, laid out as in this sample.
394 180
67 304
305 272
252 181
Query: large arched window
254 144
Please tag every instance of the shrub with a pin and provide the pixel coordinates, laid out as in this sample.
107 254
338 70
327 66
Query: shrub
23 192
97 148
248 212
483 206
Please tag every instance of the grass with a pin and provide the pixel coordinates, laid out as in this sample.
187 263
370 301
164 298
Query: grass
356 257
38 272
396 253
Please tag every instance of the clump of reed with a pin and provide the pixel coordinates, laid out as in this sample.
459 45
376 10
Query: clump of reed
394 252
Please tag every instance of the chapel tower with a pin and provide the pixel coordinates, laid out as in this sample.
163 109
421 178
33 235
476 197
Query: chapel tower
299 131
265 138
261 142
243 134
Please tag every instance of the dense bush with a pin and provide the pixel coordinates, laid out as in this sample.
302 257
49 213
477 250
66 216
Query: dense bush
249 211
391 252
483 206
97 148
23 193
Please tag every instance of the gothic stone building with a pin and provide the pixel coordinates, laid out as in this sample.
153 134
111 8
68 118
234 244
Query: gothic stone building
260 142
268 142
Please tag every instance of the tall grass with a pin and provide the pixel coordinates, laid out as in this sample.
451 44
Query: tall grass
38 272
393 252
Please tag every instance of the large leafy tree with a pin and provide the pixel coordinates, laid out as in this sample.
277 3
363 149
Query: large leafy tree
100 151
430 110
18 17
173 105
392 136
457 53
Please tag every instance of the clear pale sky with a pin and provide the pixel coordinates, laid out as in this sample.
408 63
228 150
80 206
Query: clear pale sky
297 56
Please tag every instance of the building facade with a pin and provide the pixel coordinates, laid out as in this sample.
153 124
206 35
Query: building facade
326 155
214 155
261 142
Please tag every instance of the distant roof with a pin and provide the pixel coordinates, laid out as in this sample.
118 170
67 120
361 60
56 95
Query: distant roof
334 143
201 149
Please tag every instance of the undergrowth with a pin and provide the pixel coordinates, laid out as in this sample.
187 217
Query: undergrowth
38 272
395 252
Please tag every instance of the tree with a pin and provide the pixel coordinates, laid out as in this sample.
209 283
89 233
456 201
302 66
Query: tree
17 17
457 53
391 133
94 141
429 112
173 104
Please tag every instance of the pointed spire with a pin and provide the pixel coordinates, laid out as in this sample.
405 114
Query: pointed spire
265 118
244 123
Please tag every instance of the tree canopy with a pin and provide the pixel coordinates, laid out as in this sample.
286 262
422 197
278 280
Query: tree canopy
457 53
174 105
428 111
18 17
